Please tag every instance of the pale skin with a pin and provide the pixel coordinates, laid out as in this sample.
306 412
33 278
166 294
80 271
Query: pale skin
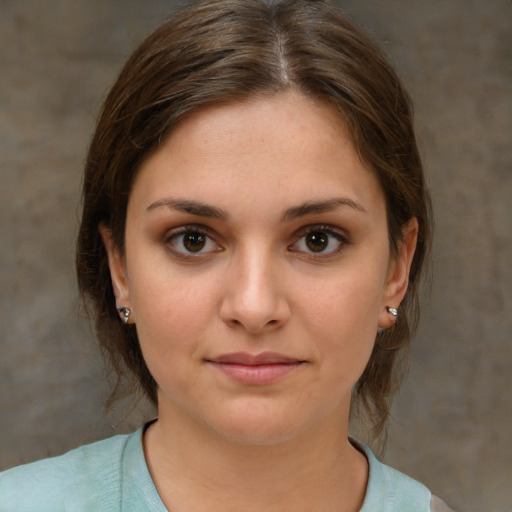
255 228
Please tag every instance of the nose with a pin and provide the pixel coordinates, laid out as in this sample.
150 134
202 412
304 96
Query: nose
255 298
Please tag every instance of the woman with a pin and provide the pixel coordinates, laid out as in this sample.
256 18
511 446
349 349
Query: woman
254 227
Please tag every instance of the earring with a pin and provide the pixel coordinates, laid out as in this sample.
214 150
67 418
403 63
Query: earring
125 314
394 313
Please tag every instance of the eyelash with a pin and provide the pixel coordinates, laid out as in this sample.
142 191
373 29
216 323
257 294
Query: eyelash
332 233
191 230
200 231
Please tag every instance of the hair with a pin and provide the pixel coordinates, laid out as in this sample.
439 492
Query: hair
220 51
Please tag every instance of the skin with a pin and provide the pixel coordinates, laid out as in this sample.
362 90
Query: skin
266 272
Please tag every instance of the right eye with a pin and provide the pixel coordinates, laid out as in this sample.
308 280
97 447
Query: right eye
191 241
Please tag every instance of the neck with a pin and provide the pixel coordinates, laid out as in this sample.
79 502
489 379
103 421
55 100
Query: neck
196 469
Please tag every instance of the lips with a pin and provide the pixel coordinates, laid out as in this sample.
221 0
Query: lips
255 369
254 360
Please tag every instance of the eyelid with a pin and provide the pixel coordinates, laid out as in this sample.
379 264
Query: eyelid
327 228
190 228
187 228
330 230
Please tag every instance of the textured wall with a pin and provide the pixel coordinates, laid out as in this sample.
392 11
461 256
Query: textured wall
453 420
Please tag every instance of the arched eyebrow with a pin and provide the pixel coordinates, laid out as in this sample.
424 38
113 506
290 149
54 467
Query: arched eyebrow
192 207
295 212
310 208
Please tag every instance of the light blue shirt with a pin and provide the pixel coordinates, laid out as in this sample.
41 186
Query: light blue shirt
112 476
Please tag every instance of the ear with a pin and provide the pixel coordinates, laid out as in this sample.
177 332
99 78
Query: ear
398 274
117 268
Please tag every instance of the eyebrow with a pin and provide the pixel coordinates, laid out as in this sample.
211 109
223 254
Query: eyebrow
295 212
192 207
329 205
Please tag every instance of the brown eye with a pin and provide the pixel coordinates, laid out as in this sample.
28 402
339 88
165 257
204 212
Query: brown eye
317 241
191 242
194 242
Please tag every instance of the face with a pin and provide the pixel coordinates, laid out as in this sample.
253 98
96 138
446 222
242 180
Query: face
257 269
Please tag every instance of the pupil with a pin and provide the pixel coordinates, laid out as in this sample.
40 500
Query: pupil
317 241
194 242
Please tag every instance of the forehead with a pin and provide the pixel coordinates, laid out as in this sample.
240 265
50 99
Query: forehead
287 148
262 124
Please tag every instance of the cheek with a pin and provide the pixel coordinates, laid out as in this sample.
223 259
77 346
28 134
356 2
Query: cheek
341 314
171 311
172 324
345 302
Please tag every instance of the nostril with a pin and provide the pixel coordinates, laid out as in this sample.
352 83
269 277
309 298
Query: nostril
254 308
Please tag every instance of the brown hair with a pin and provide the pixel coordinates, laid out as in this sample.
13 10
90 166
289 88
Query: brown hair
218 51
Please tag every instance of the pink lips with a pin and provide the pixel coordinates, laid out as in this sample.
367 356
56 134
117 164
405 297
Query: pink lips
258 369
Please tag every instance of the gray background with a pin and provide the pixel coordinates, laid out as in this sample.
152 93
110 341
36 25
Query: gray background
453 421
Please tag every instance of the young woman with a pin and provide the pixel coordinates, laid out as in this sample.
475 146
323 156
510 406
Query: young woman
254 227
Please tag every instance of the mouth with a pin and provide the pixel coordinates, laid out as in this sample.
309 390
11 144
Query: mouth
255 369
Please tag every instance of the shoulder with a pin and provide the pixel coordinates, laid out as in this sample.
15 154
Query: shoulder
87 478
390 490
438 505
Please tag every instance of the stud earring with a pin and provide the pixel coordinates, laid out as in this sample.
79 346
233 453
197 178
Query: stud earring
394 313
125 314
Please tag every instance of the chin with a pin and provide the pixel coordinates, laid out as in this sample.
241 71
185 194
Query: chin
258 434
261 425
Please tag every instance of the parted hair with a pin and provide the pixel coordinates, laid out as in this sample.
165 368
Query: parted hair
220 51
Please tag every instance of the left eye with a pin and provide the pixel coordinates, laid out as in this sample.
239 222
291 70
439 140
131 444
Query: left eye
192 242
319 241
